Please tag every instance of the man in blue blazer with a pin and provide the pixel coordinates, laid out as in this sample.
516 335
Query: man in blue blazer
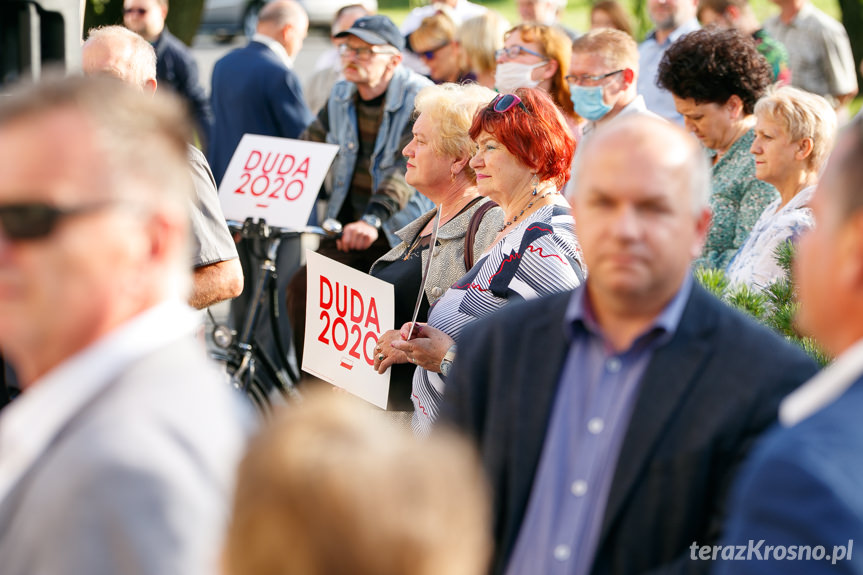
255 90
611 419
798 504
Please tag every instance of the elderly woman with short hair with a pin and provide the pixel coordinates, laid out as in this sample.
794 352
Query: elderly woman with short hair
523 161
715 77
438 159
794 133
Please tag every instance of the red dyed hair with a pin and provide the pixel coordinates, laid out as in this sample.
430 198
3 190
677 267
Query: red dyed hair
539 138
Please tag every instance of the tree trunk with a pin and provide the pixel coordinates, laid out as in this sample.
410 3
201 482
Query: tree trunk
183 16
852 19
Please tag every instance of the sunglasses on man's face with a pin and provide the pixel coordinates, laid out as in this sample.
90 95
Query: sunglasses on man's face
506 102
136 11
36 221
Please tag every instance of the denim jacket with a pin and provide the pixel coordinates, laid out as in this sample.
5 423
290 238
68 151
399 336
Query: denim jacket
387 156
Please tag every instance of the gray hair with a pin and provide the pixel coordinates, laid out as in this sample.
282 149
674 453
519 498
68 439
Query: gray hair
142 63
281 13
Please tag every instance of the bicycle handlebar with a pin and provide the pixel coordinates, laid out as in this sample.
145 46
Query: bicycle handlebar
260 229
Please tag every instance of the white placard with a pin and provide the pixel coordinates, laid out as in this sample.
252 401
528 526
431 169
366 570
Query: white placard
276 179
346 312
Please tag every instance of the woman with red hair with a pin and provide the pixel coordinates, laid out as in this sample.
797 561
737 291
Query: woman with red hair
523 159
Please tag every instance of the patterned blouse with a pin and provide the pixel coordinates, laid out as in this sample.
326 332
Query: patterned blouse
538 257
755 264
737 200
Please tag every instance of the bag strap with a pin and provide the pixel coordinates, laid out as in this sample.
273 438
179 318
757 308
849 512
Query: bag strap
472 229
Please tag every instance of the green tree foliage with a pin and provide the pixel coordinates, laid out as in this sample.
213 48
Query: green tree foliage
775 306
184 16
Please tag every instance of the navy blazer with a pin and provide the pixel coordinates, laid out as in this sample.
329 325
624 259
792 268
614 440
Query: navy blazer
801 489
253 93
704 398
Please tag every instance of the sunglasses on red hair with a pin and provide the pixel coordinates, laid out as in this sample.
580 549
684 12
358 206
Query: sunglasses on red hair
506 102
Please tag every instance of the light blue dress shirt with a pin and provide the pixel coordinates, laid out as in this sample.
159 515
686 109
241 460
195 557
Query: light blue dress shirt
650 53
589 420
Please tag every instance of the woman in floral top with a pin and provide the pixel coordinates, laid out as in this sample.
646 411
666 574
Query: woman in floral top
715 77
794 132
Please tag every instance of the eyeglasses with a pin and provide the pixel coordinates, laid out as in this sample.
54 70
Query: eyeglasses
137 11
429 54
35 221
363 52
588 79
515 52
506 102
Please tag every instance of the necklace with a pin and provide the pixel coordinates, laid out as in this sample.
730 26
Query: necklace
414 246
528 206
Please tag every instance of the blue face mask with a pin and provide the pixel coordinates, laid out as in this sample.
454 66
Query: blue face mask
588 102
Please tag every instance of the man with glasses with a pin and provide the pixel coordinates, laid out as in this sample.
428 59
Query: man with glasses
119 454
603 80
672 19
369 115
175 65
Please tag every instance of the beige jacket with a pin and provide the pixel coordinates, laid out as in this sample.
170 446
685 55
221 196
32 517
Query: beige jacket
448 260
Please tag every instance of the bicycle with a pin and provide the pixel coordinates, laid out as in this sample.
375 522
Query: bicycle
248 365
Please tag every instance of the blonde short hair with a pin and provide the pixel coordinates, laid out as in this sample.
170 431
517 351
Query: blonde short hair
802 115
480 37
331 487
439 28
451 108
618 49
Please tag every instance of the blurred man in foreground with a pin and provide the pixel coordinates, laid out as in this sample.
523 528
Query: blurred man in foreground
119 455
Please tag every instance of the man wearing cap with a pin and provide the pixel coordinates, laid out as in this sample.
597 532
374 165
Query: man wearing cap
369 115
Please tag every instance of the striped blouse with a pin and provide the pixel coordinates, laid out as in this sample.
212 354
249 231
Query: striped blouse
538 257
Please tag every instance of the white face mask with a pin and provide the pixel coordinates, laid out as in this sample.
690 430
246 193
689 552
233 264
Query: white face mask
511 75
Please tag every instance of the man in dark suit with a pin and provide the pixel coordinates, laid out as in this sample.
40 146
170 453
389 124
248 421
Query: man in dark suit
175 66
255 90
797 506
612 419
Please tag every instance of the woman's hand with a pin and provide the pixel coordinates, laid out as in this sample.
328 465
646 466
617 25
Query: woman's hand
385 354
426 347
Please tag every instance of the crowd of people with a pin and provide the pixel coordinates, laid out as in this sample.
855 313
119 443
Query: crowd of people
571 401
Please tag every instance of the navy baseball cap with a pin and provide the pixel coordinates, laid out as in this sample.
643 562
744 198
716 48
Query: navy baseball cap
377 30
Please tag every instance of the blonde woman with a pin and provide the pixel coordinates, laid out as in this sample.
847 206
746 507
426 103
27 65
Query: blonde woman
480 38
438 159
794 133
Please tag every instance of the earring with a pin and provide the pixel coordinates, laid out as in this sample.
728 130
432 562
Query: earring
535 184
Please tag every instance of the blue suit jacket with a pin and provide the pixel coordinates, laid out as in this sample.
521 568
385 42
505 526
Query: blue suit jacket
803 487
253 93
704 398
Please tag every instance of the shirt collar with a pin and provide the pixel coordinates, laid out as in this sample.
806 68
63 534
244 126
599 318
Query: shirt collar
30 423
824 388
579 316
277 48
